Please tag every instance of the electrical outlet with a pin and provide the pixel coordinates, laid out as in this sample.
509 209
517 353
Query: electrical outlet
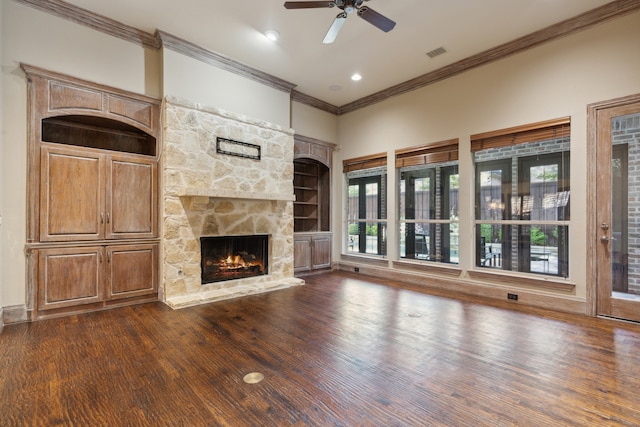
356 269
512 296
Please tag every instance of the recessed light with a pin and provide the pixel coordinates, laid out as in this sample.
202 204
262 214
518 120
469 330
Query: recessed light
356 77
272 35
335 87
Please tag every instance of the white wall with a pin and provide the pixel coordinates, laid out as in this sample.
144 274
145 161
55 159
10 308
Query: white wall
554 80
39 39
314 123
199 82
2 26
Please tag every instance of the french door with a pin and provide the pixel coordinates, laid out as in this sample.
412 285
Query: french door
617 207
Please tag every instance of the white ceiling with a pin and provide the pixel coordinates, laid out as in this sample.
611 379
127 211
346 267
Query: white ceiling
235 29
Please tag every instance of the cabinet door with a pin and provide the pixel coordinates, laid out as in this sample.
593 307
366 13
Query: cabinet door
132 270
131 197
321 251
69 277
71 200
301 253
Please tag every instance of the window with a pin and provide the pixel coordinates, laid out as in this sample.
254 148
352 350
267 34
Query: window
428 211
366 205
522 198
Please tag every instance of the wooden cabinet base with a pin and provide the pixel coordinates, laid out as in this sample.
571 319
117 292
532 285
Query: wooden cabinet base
73 280
311 252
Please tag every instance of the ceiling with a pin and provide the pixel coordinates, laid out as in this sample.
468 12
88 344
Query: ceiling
235 29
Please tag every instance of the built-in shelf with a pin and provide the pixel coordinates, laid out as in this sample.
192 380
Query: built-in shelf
311 187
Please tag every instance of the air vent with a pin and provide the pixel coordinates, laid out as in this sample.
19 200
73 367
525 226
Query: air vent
436 52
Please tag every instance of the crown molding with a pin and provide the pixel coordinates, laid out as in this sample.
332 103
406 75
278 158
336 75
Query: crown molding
314 102
197 52
596 16
565 28
92 20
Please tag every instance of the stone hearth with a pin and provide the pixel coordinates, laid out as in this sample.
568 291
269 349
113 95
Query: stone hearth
212 194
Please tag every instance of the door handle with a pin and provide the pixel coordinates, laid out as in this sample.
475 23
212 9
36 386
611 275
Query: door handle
604 226
604 239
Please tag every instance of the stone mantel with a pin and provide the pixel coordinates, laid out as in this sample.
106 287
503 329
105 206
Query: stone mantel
216 193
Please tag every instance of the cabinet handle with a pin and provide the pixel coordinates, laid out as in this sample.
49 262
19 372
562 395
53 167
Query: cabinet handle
102 218
100 256
108 256
107 217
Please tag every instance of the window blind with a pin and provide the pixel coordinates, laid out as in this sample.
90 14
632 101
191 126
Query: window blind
364 162
540 131
438 152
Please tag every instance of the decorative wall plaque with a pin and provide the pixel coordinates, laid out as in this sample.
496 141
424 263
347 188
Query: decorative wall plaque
237 148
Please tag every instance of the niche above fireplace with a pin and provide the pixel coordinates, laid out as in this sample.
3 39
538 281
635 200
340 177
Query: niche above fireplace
233 257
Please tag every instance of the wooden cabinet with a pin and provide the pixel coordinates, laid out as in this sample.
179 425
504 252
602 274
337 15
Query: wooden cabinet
88 194
131 270
321 251
311 251
89 277
92 208
103 197
312 209
69 277
301 252
70 204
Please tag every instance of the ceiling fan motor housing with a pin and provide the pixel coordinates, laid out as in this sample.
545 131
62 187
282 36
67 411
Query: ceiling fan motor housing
347 6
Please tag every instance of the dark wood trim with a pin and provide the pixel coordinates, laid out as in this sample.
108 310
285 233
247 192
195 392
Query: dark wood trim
194 51
565 28
95 21
314 102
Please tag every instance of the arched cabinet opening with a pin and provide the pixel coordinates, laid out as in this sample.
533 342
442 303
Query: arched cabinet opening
97 132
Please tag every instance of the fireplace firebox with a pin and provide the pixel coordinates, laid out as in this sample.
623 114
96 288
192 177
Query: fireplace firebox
233 257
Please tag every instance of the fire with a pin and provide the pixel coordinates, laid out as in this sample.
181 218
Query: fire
237 262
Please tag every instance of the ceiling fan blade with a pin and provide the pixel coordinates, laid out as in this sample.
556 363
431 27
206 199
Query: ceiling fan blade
308 4
335 28
373 17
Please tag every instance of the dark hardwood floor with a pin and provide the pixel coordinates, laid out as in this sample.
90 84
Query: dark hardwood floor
344 350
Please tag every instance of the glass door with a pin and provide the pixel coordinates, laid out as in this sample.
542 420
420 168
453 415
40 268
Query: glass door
618 208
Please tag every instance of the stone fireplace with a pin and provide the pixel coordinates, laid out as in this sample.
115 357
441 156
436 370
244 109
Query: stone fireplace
211 193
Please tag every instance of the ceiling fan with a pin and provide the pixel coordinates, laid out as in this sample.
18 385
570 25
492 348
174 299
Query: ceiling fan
347 6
